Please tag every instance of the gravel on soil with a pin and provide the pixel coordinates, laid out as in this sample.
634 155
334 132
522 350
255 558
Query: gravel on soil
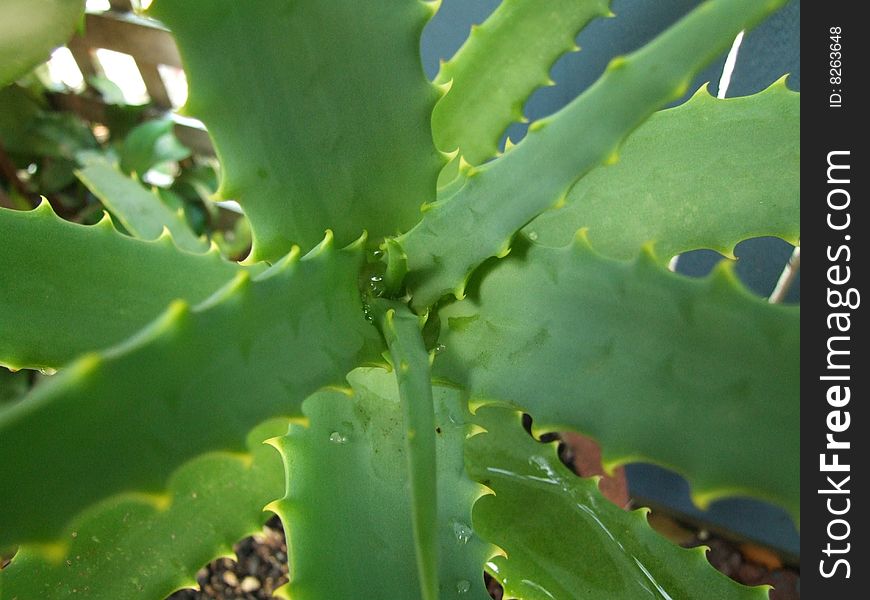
261 568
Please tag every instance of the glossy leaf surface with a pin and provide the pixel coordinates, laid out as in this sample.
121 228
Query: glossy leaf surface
75 289
319 112
602 551
476 218
138 463
146 547
195 380
348 507
656 366
410 360
498 67
707 174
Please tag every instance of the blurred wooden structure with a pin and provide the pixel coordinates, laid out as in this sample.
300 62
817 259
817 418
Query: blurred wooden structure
149 44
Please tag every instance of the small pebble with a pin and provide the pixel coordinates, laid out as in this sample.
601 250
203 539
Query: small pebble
250 584
230 579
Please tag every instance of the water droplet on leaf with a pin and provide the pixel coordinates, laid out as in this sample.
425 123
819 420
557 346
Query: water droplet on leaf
337 438
376 286
462 532
462 586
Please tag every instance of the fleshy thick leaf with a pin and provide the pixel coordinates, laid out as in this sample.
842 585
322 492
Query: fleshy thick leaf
147 547
347 510
30 30
498 67
707 174
320 112
13 385
477 217
696 375
69 289
601 551
141 211
402 331
196 380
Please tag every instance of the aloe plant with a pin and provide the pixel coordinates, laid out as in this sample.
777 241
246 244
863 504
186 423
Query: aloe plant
389 359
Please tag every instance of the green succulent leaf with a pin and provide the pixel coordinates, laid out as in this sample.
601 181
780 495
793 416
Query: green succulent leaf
13 385
402 331
150 144
498 67
320 112
602 550
31 29
347 510
75 289
137 546
707 174
696 375
195 380
142 213
477 219
143 458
